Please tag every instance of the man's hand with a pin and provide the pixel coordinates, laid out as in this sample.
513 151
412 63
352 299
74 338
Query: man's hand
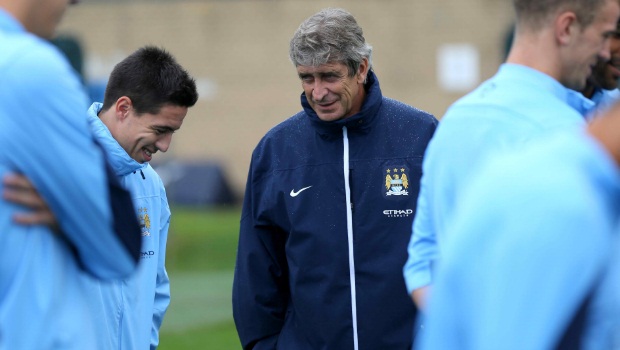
18 189
419 297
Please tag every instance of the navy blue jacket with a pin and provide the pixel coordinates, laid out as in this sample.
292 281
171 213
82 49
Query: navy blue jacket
307 261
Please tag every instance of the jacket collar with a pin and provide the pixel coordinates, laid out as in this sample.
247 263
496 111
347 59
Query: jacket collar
117 157
362 121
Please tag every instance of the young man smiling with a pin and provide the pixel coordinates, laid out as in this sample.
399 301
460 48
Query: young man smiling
146 99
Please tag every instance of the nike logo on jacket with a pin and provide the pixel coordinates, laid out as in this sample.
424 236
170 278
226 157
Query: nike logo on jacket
295 194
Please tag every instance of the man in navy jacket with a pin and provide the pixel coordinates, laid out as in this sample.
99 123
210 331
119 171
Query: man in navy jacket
330 197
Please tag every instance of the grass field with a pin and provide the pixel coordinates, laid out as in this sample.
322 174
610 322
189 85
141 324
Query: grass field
200 259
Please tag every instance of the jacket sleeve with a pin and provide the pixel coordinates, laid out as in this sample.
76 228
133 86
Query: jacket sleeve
124 221
57 153
260 286
162 288
422 247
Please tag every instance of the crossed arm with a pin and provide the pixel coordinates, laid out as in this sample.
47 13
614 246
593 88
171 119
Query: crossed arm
19 190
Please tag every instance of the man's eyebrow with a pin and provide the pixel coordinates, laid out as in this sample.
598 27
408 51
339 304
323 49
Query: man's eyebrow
164 128
320 74
612 33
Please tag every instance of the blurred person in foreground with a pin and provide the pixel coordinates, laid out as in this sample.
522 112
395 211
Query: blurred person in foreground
331 192
534 93
146 101
602 85
45 137
533 261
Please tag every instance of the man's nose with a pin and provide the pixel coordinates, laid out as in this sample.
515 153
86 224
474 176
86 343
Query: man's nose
319 91
163 142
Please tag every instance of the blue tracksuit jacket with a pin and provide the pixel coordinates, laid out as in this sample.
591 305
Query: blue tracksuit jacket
325 224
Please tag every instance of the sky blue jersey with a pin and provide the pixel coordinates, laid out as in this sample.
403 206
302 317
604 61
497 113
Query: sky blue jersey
44 135
515 106
534 247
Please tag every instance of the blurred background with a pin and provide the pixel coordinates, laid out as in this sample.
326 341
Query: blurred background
427 53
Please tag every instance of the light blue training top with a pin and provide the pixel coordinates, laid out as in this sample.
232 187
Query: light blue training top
533 236
44 135
131 311
515 106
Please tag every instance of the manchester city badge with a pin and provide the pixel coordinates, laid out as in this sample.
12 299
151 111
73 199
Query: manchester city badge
396 181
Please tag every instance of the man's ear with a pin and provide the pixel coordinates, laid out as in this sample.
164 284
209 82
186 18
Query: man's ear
122 107
362 71
566 26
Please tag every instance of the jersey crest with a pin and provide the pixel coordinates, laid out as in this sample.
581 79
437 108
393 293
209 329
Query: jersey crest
145 221
396 181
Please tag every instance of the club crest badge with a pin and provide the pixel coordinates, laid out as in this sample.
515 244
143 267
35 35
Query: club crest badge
396 181
145 221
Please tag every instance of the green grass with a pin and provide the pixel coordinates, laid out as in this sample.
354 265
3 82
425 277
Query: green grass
217 337
202 239
200 259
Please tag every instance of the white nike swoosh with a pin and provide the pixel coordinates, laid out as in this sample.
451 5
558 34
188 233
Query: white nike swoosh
294 194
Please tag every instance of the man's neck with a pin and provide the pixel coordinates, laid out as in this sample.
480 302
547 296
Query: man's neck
108 118
588 91
533 49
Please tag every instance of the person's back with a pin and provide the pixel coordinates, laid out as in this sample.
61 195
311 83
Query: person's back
527 98
533 260
42 135
503 113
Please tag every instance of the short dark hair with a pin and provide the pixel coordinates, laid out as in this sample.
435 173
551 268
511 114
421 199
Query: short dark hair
533 13
151 78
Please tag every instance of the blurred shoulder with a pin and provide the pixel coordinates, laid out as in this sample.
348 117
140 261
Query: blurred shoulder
33 60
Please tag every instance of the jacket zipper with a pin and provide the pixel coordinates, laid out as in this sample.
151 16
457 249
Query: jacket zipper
347 186
141 173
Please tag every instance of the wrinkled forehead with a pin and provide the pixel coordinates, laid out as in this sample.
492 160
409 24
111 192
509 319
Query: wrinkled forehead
321 68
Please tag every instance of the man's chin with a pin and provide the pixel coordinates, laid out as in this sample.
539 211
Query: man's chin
329 117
